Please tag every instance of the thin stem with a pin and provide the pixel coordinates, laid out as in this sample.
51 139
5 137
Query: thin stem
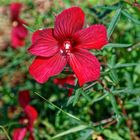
109 120
128 121
5 132
89 86
70 115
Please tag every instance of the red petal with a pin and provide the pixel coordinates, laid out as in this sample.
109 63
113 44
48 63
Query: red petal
93 37
44 43
17 42
67 80
68 22
31 114
31 137
43 68
85 65
15 10
70 91
19 133
38 34
24 98
19 33
70 80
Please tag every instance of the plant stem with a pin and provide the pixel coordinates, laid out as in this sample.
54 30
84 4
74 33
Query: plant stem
8 137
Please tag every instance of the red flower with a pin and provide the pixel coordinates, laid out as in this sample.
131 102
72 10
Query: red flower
30 115
19 133
24 98
19 32
70 80
68 44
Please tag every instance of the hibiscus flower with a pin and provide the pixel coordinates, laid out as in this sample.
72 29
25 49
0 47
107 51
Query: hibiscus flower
67 44
30 115
19 32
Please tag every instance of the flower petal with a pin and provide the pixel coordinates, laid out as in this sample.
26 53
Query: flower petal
43 68
66 80
19 33
70 80
93 37
15 10
70 91
19 133
31 137
24 98
68 22
31 114
85 66
37 35
44 44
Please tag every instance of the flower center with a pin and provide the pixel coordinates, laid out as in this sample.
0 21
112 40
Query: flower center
66 48
26 121
15 23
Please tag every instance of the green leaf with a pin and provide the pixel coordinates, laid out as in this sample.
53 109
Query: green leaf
70 100
129 81
112 135
129 16
86 135
114 105
72 130
134 101
99 99
113 23
86 96
39 21
77 95
107 7
113 75
125 65
127 91
117 45
29 28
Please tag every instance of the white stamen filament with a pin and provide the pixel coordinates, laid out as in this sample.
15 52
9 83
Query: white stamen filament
67 46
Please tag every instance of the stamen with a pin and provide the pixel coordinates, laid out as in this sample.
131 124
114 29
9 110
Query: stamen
15 23
61 51
67 46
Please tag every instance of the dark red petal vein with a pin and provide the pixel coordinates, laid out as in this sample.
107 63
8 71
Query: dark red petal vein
93 37
44 44
43 68
68 22
85 66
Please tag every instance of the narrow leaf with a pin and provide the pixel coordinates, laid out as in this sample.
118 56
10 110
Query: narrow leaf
127 91
117 45
125 65
114 105
129 16
86 96
28 28
77 95
107 7
72 130
113 23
